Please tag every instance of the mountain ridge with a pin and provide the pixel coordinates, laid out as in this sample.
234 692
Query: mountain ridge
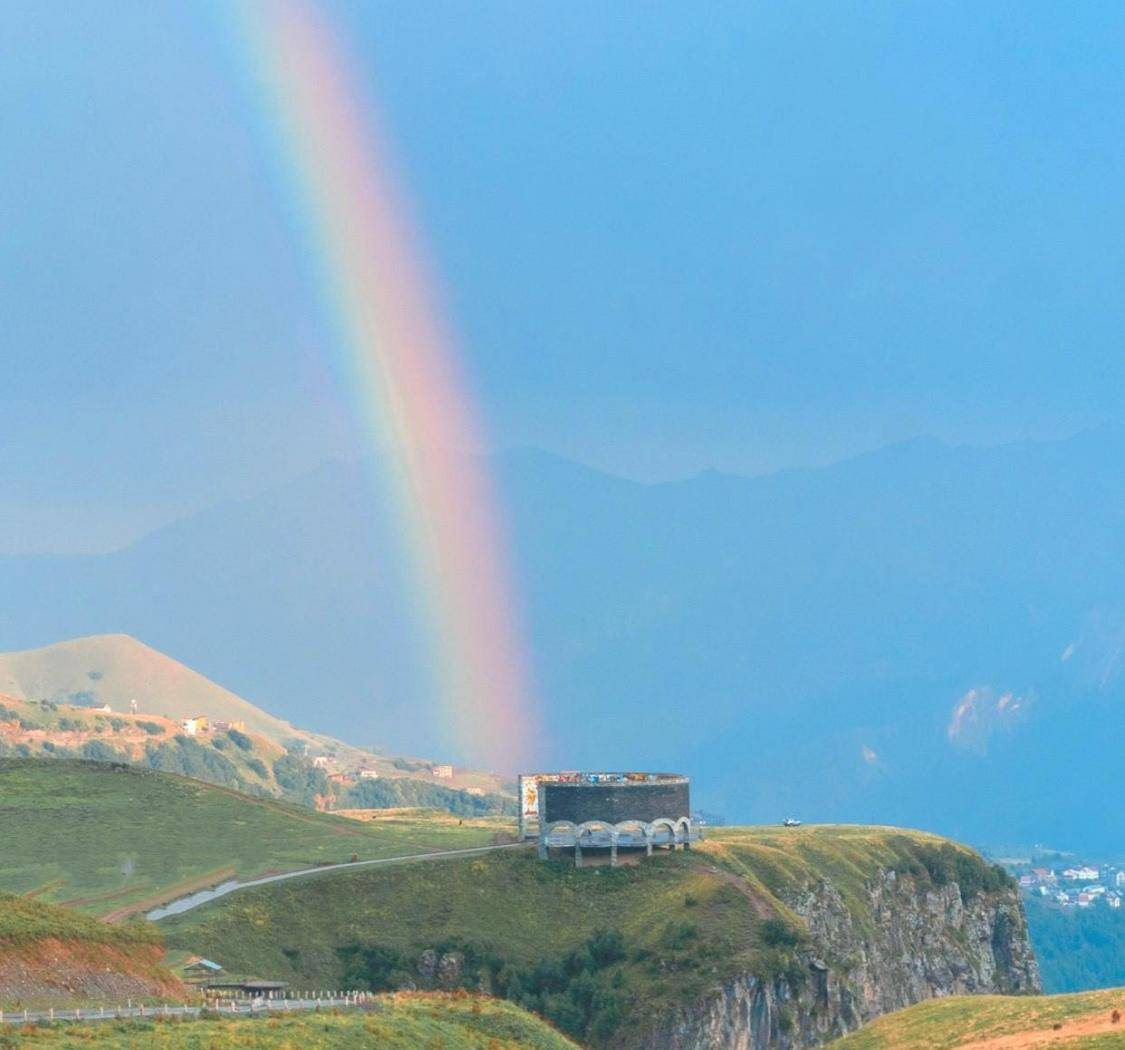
768 632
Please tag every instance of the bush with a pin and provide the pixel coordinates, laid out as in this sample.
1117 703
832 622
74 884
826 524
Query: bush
606 948
775 933
241 740
152 728
299 778
99 751
258 766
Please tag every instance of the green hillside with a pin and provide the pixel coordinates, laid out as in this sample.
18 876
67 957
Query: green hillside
106 838
24 920
400 1022
245 761
1078 1022
118 670
597 950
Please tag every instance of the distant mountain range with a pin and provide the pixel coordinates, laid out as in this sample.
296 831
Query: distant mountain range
924 635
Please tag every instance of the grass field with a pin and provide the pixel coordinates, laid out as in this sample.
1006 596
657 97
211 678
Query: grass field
685 921
104 838
23 920
404 1022
1002 1022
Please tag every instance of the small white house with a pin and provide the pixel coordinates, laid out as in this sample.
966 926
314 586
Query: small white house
443 772
368 774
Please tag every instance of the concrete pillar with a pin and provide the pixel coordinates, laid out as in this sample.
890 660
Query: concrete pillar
613 852
648 843
577 854
542 847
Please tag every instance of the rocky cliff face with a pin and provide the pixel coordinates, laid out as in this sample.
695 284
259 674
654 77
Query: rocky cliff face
914 944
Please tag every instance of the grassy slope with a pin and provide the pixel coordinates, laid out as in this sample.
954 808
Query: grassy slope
406 1022
689 920
117 669
942 1024
130 741
103 836
23 920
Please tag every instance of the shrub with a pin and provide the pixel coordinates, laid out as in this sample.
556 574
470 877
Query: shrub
775 933
99 751
152 728
241 740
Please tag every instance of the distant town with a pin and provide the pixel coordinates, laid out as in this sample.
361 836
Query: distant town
1067 883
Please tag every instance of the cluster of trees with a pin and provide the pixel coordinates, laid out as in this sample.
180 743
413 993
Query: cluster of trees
299 778
947 863
390 793
1077 948
583 992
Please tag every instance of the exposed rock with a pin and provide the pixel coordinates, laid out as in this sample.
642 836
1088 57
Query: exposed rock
427 965
74 971
920 943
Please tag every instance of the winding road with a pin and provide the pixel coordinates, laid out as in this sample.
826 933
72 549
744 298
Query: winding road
194 900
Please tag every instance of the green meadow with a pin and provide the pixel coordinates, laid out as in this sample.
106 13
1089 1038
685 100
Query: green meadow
943 1024
106 838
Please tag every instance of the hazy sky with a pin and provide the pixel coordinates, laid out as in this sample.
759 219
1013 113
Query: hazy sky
671 236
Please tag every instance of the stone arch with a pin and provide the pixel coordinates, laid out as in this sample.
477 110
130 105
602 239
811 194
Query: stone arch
589 827
562 826
683 826
668 824
645 830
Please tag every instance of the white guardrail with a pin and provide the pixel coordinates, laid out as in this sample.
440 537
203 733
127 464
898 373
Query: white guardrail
214 1008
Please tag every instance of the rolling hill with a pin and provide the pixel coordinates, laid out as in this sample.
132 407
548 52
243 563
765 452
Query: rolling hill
1078 1022
925 627
112 840
119 671
52 956
808 932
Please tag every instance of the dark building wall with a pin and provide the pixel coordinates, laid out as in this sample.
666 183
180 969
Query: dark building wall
613 802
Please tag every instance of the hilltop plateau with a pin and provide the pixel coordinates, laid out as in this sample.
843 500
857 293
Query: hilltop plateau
754 938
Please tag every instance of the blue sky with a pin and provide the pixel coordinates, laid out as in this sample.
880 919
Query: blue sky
671 237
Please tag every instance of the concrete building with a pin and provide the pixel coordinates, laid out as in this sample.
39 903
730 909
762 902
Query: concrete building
606 811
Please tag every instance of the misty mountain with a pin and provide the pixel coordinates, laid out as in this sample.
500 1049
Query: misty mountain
923 635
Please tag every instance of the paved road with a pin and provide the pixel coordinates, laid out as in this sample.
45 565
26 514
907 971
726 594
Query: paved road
234 1006
178 907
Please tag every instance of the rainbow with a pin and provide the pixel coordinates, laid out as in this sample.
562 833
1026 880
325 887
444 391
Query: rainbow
399 360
